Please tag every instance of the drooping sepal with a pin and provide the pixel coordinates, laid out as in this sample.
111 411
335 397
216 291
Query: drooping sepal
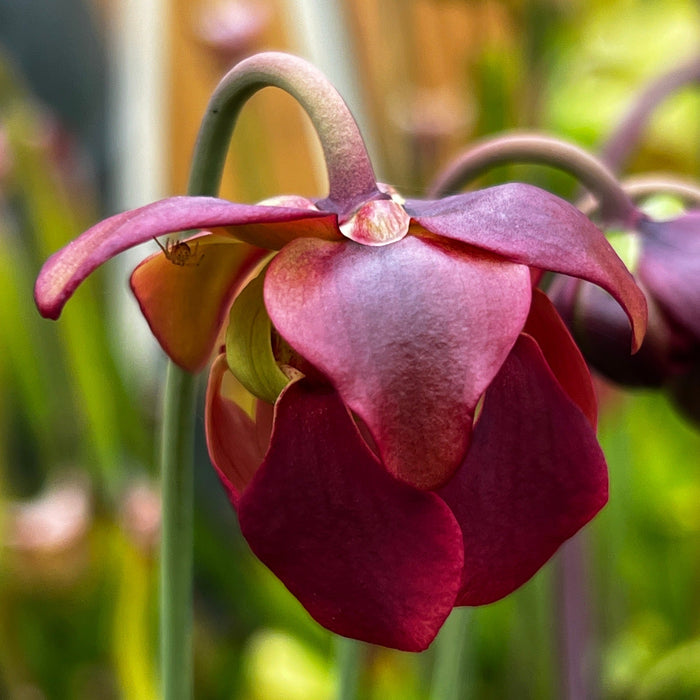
562 354
186 305
237 438
263 226
528 225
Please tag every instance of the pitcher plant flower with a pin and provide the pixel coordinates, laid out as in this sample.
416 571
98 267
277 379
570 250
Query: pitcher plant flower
662 253
664 256
402 423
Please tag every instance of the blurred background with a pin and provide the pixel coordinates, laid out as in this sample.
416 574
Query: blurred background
100 102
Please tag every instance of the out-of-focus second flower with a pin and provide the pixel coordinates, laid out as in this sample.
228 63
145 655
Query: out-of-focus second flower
662 252
664 256
47 537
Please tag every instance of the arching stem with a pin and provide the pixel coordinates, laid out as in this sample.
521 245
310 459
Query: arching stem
627 135
351 179
351 182
641 186
615 205
349 655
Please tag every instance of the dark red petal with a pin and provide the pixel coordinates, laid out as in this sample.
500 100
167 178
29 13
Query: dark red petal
528 225
533 477
562 354
186 305
670 267
410 334
237 443
266 227
368 556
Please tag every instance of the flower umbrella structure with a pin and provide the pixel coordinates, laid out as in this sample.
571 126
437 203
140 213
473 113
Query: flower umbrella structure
401 421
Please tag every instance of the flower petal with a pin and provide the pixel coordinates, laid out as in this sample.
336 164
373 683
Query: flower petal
562 354
670 267
528 225
410 334
368 556
266 227
236 443
248 344
533 477
186 305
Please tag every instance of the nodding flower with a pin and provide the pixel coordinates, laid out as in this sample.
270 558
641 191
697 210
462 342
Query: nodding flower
402 423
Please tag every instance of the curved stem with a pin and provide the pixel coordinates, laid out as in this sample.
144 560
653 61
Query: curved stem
351 179
176 462
645 186
615 205
641 186
617 148
177 439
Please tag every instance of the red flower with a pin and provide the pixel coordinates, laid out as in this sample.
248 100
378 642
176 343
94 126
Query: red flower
436 442
666 265
421 430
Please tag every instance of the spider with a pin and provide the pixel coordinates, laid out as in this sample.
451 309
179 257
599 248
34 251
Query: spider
180 253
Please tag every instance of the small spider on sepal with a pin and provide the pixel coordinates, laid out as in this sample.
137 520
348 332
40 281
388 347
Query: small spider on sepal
180 253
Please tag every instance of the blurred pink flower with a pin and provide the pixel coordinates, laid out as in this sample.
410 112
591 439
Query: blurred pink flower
53 521
232 30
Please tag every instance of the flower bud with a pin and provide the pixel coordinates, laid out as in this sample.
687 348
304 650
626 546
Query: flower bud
666 266
602 332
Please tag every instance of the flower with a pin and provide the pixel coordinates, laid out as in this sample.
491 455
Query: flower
402 423
664 257
232 29
436 442
662 254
